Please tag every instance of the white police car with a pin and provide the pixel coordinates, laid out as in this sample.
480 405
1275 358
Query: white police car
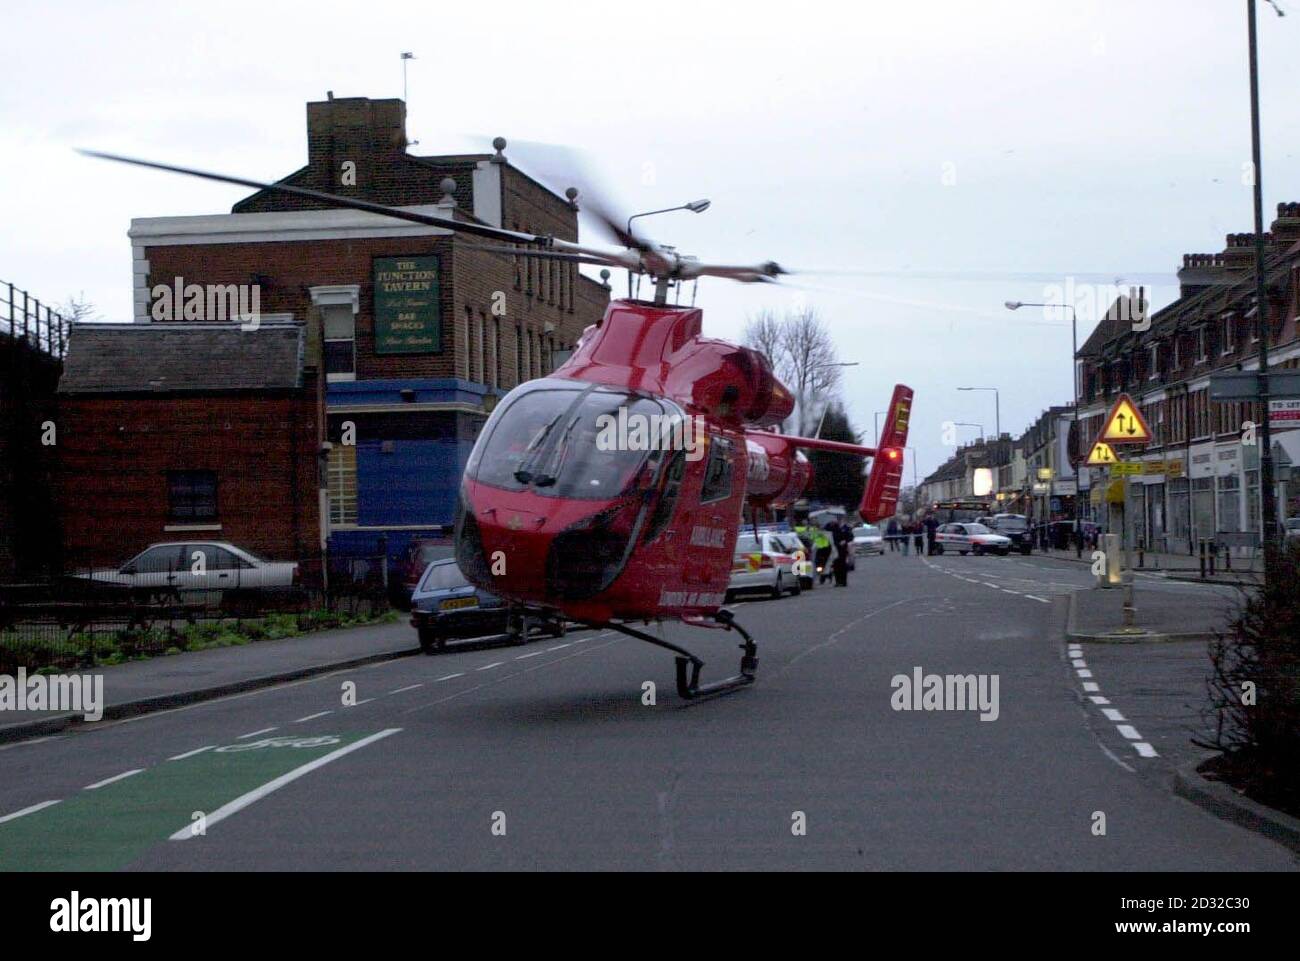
970 538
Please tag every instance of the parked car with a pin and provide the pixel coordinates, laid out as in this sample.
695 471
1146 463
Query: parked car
420 553
970 539
765 563
867 539
1015 527
445 605
199 566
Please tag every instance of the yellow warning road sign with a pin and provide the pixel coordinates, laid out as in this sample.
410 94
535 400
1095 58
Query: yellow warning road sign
1125 424
1101 455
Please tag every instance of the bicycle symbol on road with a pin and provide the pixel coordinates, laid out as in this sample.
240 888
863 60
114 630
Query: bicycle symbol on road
286 741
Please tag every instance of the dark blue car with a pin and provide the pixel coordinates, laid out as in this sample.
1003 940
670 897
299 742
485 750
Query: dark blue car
445 605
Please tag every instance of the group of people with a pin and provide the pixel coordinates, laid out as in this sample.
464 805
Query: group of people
907 534
833 536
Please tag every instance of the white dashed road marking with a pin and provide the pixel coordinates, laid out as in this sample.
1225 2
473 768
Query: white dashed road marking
265 730
312 717
110 780
197 750
29 810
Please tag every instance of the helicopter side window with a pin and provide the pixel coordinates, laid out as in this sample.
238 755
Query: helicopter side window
667 497
717 474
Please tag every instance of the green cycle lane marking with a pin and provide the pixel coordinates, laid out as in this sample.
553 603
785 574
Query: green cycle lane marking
107 828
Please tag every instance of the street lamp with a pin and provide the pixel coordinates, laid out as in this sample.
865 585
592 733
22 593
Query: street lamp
695 207
821 420
962 423
1074 383
997 407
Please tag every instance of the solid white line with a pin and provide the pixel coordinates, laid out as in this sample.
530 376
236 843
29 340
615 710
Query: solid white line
1145 749
31 810
197 750
409 687
1098 699
110 780
35 740
1112 714
488 667
312 717
1083 672
1129 731
239 803
1091 686
1035 597
522 657
448 677
265 730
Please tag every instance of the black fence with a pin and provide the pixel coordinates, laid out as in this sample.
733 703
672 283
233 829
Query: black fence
24 317
90 618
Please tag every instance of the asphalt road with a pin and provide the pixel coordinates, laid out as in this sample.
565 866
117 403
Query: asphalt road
545 756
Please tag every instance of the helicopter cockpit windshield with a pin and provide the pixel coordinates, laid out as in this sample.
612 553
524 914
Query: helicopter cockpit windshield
565 439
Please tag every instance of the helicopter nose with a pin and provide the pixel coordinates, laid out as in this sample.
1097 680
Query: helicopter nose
502 549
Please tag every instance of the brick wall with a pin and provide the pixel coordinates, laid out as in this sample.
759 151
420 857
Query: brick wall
469 280
114 452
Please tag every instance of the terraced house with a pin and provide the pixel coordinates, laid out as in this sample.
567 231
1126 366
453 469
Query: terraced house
1201 473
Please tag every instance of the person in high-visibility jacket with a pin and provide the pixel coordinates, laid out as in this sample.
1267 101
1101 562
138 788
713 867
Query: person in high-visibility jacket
822 554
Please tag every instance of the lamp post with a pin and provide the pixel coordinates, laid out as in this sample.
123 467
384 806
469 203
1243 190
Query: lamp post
997 407
1074 384
695 207
962 423
821 420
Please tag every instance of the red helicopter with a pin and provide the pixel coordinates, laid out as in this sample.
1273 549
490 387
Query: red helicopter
613 489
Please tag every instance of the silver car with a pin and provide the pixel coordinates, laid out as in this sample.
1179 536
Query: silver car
199 566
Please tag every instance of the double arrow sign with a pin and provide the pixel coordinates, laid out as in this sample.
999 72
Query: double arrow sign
1124 425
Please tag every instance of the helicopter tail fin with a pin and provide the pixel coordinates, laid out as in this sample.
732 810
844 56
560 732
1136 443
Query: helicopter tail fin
880 497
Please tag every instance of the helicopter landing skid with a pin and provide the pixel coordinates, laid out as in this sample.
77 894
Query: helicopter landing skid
688 665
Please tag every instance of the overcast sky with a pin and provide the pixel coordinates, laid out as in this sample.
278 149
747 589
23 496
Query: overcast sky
970 152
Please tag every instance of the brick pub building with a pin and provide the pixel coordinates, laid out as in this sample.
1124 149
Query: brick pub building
410 331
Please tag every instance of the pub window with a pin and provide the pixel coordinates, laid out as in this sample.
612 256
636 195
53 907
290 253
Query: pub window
1153 362
342 484
1201 346
192 495
496 352
1229 335
340 342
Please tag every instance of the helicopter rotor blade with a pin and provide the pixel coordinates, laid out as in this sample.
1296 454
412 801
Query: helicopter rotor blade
628 260
458 226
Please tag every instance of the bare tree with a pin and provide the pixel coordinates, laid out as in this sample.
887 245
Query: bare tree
764 333
76 309
809 355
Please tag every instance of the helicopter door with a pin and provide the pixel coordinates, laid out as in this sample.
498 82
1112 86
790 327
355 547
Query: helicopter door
712 524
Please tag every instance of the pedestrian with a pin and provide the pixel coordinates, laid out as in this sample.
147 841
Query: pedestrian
891 534
841 565
905 535
822 555
931 525
918 538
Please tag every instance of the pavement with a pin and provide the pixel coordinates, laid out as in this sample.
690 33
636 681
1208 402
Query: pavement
577 754
1241 571
139 686
1162 612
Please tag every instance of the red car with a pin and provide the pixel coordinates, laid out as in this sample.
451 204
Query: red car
420 553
